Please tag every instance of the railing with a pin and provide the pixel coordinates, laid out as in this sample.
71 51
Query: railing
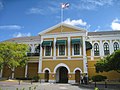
33 54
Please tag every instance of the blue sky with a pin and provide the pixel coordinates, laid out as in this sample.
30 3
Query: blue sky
28 17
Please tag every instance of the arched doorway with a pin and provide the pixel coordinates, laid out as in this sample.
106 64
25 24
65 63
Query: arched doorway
77 76
46 76
62 75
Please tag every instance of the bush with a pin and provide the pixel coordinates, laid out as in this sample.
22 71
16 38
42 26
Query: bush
36 78
98 78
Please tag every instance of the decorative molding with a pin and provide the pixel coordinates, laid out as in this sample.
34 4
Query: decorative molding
46 69
61 65
77 68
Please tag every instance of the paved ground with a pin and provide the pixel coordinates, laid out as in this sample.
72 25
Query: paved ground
14 85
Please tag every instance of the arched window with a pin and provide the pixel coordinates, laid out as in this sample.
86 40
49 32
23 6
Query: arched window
116 46
106 49
96 49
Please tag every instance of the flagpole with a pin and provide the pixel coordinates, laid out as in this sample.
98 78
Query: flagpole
61 18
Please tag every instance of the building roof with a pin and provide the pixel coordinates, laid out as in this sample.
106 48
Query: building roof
24 39
104 33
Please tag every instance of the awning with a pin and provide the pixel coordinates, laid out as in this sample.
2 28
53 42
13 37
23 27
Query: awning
88 45
61 42
75 41
47 43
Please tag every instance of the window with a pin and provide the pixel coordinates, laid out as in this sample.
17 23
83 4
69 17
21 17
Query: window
96 49
106 49
61 49
116 46
48 51
76 49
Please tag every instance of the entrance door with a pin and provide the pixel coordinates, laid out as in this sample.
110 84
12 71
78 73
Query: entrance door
63 75
77 76
46 76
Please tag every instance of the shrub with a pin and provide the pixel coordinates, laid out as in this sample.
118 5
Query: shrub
98 78
36 78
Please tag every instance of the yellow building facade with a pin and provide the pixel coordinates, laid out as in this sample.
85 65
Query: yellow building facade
66 52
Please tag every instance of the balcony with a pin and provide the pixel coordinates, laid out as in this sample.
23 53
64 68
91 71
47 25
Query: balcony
33 54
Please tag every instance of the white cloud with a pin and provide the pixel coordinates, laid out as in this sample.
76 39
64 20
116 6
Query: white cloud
92 4
75 22
1 5
35 11
98 29
11 27
19 34
115 25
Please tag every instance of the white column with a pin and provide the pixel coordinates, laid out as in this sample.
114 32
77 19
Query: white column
26 70
1 72
40 58
69 52
111 47
101 49
54 49
84 56
92 52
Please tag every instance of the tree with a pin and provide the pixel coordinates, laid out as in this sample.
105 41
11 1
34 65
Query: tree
109 63
13 55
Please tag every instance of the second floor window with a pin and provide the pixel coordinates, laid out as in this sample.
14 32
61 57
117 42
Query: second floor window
76 49
96 49
116 46
106 49
61 50
48 51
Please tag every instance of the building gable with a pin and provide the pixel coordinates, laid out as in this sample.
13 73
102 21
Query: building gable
62 28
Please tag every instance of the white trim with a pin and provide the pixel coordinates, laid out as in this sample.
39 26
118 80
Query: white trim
84 56
111 47
69 46
46 69
63 24
59 35
54 46
61 65
40 58
77 69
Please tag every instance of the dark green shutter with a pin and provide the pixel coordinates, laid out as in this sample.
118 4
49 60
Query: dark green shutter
61 42
47 43
75 41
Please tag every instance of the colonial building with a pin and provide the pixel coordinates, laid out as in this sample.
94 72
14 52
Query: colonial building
63 53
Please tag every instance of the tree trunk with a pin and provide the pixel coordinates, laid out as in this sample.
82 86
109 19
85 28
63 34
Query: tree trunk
13 73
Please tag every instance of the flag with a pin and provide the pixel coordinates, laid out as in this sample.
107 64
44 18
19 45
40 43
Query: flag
65 5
